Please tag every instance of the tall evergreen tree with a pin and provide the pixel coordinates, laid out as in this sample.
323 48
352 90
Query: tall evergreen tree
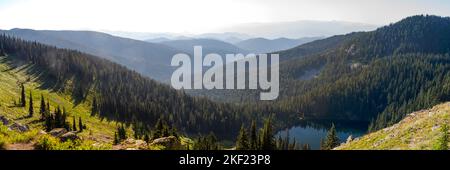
253 137
242 142
58 122
42 109
94 108
64 117
74 125
146 138
121 133
22 96
80 124
267 138
332 140
116 139
30 109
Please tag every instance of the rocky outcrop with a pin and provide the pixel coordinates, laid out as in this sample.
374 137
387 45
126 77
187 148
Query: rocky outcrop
14 125
131 144
19 127
57 132
69 136
170 142
5 121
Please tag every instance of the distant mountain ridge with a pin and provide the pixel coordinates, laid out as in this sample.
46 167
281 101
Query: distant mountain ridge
208 46
263 45
150 59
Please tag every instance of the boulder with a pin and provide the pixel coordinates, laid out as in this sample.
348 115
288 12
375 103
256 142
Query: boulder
349 139
41 132
131 144
69 136
19 127
57 132
4 120
170 142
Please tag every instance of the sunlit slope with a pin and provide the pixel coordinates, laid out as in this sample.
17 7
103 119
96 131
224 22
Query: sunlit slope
420 130
10 80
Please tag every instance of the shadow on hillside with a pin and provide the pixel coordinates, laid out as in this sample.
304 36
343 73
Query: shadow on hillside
48 81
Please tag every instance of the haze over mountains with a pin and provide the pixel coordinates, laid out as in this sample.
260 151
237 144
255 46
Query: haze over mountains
208 45
376 76
299 29
262 45
151 58
147 58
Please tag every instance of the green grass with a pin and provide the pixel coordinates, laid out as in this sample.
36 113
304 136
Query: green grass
98 130
419 131
98 135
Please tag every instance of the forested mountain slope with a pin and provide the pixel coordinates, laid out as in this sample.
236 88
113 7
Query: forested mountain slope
149 59
376 76
386 73
121 94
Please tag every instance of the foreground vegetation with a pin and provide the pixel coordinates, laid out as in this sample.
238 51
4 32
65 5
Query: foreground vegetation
421 130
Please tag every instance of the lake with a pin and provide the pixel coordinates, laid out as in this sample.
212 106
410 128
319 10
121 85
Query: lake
311 132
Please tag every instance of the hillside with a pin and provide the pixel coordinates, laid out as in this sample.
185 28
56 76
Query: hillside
124 95
419 130
377 76
98 132
147 58
386 73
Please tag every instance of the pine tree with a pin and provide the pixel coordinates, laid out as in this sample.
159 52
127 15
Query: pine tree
58 118
22 96
121 133
253 137
267 139
94 108
74 125
331 140
42 109
242 142
146 138
80 124
31 110
174 131
49 122
116 138
2 51
159 128
63 118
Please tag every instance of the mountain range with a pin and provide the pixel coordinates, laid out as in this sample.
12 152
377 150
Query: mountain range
376 77
150 59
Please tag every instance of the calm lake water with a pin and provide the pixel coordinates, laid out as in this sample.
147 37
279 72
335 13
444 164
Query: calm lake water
311 132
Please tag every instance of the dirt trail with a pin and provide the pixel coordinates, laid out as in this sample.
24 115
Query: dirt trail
20 146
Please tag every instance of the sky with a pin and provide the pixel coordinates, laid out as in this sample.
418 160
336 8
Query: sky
202 16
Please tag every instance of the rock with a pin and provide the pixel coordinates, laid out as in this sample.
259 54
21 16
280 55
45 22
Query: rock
131 144
4 120
69 136
57 132
170 142
19 127
41 132
349 139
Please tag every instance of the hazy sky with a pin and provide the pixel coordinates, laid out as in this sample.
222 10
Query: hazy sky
199 16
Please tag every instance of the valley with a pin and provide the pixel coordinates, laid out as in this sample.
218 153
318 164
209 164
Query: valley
376 77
